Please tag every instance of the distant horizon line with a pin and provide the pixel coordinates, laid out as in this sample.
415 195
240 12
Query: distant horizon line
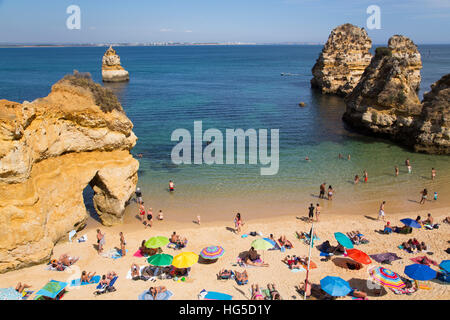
169 43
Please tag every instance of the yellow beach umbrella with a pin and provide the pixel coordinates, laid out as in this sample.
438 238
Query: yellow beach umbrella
185 260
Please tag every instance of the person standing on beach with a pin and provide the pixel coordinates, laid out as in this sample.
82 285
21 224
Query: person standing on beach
424 194
318 208
433 173
238 223
396 171
139 195
100 241
160 215
381 212
330 193
122 244
142 212
322 190
171 186
366 176
149 218
311 213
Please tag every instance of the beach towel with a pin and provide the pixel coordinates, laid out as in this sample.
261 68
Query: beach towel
407 291
26 294
424 260
71 234
386 257
10 294
138 254
166 295
241 263
77 282
112 254
213 295
301 269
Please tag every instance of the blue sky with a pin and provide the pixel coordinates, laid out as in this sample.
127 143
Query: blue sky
104 21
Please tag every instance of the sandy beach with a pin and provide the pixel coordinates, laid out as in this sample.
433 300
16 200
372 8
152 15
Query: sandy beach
203 276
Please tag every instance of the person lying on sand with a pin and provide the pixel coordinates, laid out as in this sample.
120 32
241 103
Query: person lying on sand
86 277
358 294
241 277
135 272
224 274
155 290
57 265
285 242
274 294
253 257
256 293
446 220
20 287
67 260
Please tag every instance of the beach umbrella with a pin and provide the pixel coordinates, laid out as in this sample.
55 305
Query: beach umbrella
343 240
445 265
261 244
359 256
212 252
10 294
272 242
411 223
156 242
185 260
335 286
386 277
420 272
160 260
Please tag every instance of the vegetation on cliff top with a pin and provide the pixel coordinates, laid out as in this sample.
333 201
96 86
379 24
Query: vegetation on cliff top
104 98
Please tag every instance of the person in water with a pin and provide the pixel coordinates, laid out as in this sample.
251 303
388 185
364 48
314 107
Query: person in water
366 176
322 190
138 193
433 173
330 193
396 171
356 179
171 186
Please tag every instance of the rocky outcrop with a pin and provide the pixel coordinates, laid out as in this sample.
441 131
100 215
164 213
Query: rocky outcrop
50 150
434 122
403 47
112 71
385 101
342 61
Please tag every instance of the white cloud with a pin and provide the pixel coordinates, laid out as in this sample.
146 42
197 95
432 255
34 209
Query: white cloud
165 30
188 31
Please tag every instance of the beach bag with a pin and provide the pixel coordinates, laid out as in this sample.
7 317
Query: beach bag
253 233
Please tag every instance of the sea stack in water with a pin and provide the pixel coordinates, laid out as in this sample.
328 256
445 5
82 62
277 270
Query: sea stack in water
385 101
112 71
51 150
342 60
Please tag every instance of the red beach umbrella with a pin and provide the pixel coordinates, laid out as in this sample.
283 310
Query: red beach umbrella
358 256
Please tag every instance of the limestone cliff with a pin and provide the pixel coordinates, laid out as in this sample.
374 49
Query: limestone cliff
434 122
385 101
112 70
50 150
342 60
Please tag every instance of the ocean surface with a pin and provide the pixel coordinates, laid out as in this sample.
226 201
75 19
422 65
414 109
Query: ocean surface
240 87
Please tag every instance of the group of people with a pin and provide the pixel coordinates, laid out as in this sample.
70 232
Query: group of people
295 262
322 191
313 210
413 244
101 242
147 216
365 176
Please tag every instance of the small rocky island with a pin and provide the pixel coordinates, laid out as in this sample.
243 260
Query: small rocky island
51 150
383 100
112 71
342 61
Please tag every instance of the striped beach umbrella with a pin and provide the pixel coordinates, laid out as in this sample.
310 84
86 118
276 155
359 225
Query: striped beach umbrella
386 277
212 252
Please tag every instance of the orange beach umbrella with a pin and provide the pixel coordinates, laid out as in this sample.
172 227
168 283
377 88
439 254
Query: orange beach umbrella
358 256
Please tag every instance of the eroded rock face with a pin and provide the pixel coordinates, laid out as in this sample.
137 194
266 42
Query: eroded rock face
434 122
342 61
51 149
112 71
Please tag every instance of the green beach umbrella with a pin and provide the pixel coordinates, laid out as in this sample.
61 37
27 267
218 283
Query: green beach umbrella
261 244
160 260
156 242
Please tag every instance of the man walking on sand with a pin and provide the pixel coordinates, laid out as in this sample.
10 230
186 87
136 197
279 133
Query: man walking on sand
381 212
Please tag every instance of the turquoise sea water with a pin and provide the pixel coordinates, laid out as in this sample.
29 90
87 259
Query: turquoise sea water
238 87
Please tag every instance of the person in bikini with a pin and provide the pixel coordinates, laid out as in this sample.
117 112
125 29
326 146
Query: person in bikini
149 218
123 250
20 287
318 208
86 277
366 176
274 294
330 193
256 293
285 242
135 272
241 277
142 212
171 186
154 291
433 173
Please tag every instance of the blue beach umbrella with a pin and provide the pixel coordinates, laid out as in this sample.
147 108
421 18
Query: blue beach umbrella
270 241
411 223
335 286
343 240
445 265
420 272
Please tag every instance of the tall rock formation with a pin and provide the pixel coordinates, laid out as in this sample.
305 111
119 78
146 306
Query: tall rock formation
342 60
434 122
112 71
385 101
51 149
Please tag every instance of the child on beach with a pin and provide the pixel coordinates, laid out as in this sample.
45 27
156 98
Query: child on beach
435 195
171 186
381 212
238 223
